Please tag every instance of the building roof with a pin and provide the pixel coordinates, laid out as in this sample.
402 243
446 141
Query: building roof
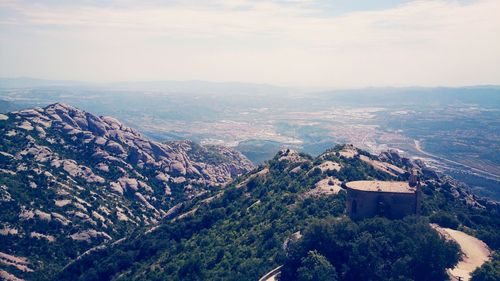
381 186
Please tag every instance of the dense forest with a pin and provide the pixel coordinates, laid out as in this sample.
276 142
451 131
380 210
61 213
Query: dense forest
373 249
244 231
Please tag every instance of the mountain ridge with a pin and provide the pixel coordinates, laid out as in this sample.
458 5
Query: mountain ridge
240 233
71 178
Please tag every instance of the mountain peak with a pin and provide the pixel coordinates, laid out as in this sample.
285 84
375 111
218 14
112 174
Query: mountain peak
60 105
93 179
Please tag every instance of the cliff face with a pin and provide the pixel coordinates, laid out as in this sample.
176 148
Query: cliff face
68 177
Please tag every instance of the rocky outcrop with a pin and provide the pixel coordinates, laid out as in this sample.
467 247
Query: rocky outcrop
109 142
68 176
290 156
447 184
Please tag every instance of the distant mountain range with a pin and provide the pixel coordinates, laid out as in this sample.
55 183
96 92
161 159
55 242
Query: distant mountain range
200 86
190 86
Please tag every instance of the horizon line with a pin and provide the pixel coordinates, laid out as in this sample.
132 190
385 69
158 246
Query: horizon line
318 88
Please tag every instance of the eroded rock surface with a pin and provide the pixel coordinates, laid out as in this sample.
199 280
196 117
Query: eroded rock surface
68 177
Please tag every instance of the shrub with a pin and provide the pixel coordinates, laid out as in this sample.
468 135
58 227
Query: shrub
445 220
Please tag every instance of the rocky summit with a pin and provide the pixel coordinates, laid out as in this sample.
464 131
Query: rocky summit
70 181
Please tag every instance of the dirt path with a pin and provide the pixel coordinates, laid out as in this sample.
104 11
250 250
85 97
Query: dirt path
475 252
271 275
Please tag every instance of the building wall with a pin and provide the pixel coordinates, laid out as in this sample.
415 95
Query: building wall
366 204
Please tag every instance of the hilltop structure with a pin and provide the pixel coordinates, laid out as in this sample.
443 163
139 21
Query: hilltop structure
391 199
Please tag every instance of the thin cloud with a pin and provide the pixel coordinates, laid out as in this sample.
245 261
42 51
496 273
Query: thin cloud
292 43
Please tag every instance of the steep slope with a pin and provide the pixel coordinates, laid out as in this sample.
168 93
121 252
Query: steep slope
70 180
241 233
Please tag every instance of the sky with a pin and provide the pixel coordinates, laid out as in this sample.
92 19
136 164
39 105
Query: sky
295 43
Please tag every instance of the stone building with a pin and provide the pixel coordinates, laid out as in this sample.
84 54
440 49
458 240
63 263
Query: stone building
391 199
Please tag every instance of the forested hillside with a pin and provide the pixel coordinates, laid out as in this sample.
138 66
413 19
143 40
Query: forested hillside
290 212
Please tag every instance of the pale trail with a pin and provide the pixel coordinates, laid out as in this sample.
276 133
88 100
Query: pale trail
474 252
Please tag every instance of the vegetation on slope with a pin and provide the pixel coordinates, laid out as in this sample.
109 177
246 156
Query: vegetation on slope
373 249
490 271
242 233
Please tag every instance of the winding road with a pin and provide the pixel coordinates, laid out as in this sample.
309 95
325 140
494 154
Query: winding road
483 173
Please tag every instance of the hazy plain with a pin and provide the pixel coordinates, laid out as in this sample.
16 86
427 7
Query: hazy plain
455 130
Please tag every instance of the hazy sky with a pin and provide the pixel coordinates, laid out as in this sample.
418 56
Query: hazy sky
303 43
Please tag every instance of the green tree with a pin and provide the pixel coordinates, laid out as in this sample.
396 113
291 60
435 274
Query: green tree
373 249
489 271
445 220
316 267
